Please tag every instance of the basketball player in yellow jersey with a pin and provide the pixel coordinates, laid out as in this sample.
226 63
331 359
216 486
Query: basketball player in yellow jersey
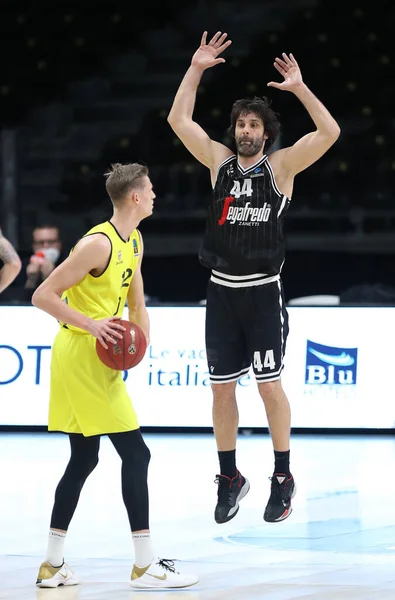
86 294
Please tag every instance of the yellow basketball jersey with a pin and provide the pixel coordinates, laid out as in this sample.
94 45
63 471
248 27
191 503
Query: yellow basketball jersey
104 295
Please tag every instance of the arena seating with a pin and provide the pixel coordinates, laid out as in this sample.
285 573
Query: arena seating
90 84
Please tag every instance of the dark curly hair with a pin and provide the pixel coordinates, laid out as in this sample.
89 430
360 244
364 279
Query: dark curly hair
260 107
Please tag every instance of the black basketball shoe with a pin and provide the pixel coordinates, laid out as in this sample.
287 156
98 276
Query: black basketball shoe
282 491
230 492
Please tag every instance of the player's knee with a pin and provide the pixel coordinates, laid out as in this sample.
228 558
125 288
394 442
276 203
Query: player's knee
224 392
140 453
144 454
139 461
269 389
82 467
147 455
92 463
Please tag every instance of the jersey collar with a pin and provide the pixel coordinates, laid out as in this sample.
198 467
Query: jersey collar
254 166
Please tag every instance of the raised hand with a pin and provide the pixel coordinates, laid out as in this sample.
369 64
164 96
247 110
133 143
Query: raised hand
289 69
206 55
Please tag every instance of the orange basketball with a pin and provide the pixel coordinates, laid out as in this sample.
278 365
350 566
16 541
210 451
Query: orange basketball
127 352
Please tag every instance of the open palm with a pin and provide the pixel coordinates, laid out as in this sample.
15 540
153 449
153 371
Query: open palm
289 69
206 55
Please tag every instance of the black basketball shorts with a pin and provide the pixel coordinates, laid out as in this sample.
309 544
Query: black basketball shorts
246 326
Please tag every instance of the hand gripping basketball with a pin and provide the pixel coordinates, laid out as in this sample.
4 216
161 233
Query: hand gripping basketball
128 351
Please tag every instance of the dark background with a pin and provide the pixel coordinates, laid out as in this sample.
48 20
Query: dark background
86 84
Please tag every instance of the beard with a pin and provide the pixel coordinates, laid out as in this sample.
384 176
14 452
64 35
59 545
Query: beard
249 149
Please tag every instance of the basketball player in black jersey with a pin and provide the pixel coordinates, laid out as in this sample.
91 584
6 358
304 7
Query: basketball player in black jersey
246 320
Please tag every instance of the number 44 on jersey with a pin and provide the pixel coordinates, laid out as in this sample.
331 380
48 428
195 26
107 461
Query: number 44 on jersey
268 361
238 191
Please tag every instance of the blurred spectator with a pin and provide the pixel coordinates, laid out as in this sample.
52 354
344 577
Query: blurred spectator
47 254
11 263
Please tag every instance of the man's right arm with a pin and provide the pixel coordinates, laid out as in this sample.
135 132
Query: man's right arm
12 263
90 254
180 118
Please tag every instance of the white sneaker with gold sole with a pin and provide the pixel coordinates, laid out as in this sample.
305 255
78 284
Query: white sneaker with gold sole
160 575
51 577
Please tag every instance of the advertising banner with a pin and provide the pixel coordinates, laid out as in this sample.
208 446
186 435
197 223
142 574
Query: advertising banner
338 369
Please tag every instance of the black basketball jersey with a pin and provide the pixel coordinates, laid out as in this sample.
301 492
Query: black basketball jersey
244 224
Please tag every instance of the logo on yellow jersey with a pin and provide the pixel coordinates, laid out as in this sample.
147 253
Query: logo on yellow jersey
135 248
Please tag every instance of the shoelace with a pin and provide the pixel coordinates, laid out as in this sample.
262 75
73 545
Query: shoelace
278 489
167 564
224 488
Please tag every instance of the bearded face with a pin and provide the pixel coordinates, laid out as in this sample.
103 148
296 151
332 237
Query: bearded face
247 146
249 135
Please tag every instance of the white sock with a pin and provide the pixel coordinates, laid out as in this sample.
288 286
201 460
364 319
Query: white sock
55 547
143 553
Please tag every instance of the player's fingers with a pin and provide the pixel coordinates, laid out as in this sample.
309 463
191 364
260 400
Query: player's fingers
221 39
103 343
116 325
203 41
280 62
280 69
224 46
215 38
117 334
287 59
108 337
295 62
111 330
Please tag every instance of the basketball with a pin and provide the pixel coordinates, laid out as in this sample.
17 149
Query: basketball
127 352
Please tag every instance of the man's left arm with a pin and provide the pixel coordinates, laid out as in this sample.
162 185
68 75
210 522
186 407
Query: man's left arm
136 300
312 146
